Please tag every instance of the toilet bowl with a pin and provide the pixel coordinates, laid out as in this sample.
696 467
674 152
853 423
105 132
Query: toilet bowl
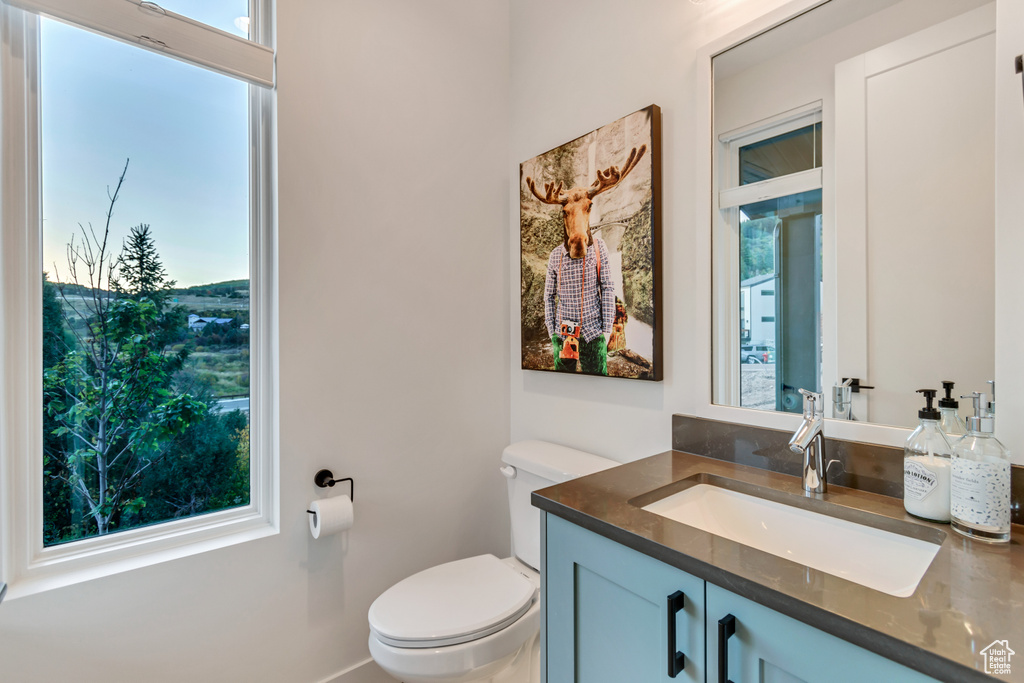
477 620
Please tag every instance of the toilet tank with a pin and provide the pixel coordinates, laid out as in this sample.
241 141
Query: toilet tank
532 465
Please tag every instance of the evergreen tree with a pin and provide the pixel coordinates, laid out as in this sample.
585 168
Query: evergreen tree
141 273
141 277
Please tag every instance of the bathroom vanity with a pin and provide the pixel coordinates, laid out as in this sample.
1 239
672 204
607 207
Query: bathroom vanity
634 595
815 125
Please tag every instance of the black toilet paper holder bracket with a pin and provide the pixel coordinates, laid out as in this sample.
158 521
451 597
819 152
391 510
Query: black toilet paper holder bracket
325 478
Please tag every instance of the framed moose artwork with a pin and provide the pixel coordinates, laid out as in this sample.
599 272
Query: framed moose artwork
590 236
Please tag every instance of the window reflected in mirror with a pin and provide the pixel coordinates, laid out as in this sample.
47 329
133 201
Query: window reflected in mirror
780 283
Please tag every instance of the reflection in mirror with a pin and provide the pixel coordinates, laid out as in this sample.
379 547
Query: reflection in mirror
853 187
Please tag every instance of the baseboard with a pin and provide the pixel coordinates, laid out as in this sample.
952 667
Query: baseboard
364 672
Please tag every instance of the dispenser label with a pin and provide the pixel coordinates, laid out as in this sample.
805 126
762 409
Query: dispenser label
980 493
918 480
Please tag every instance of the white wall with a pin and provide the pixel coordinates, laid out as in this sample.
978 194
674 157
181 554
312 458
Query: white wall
393 171
577 65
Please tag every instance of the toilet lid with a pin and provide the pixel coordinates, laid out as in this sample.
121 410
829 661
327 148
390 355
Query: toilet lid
451 603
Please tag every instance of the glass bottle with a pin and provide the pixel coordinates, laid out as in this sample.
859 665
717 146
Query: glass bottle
980 488
926 466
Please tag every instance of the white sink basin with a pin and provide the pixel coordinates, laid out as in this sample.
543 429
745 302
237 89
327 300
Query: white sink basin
882 560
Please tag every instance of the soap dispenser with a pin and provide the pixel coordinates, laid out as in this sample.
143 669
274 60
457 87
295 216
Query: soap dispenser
926 466
980 488
950 423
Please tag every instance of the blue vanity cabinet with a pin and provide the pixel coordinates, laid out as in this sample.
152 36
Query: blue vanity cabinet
606 619
755 643
610 613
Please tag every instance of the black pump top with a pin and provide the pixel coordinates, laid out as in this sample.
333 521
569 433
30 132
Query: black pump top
928 412
949 401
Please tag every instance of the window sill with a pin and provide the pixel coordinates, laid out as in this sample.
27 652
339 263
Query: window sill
90 559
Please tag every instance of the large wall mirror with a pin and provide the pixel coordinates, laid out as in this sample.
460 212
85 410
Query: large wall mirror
853 208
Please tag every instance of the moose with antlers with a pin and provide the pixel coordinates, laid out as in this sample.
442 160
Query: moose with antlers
579 293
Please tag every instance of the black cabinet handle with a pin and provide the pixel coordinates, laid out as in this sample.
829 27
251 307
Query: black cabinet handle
726 628
676 660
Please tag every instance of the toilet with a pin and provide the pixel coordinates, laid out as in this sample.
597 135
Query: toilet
477 620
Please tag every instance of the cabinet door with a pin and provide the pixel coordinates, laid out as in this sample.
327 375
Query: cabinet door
607 612
769 647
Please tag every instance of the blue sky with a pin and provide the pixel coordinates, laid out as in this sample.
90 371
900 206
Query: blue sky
184 128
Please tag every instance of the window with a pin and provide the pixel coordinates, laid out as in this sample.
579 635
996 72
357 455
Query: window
770 212
149 332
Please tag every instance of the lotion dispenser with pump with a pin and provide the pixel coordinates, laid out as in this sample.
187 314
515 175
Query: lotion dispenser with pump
926 466
950 423
980 488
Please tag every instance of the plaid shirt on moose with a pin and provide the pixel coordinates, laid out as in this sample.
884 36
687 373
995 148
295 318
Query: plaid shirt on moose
563 286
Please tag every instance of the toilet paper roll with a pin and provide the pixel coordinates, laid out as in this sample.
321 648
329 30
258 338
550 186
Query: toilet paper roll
330 515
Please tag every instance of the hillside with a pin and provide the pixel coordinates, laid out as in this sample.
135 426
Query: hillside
236 289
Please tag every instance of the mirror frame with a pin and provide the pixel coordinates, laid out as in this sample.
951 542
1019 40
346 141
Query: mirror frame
704 381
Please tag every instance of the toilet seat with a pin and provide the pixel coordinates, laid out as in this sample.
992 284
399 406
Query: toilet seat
451 603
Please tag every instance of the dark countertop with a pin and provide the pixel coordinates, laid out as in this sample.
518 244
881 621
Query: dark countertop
971 595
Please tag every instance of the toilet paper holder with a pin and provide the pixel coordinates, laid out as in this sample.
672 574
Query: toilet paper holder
325 478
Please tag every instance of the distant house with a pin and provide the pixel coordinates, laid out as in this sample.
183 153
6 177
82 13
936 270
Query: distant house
197 322
757 308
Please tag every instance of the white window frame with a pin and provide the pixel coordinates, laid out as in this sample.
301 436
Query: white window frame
25 564
729 195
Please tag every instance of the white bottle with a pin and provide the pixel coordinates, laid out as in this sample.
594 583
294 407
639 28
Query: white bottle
926 466
980 489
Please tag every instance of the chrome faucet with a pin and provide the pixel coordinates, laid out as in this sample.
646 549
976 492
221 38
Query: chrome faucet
842 400
809 441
